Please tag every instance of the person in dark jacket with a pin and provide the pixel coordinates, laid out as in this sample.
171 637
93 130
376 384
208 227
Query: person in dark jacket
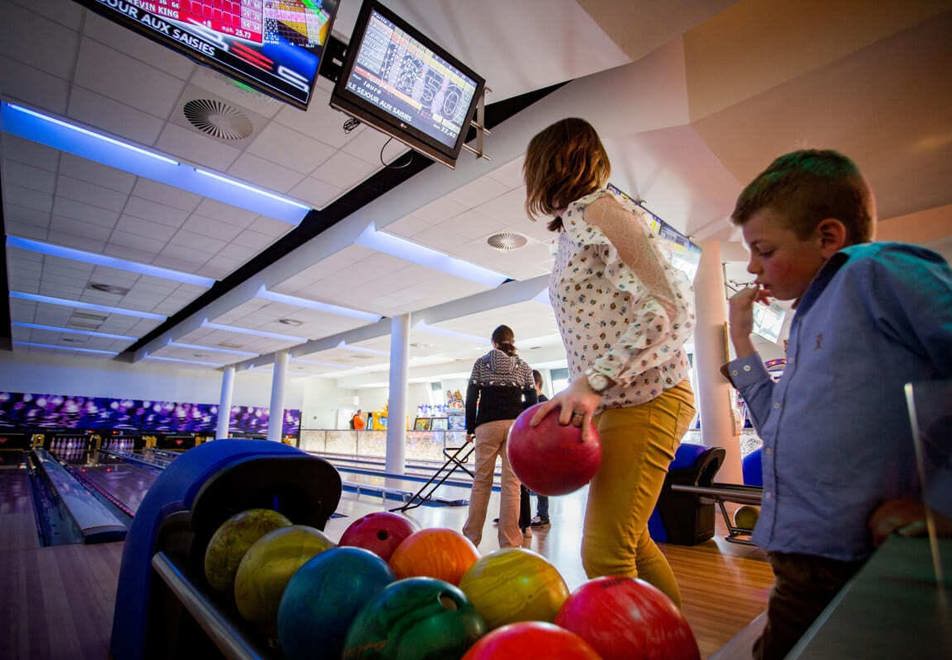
500 387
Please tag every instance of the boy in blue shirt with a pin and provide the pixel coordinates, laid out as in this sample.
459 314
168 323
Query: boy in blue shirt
869 318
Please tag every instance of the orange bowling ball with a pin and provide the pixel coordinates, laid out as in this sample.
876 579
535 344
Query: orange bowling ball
444 554
514 584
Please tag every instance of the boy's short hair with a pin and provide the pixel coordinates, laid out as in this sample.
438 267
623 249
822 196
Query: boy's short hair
808 186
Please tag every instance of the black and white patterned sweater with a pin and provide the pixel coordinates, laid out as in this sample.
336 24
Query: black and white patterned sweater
500 387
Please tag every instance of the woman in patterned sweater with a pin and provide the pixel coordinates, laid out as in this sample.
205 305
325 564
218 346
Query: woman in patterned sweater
624 314
499 389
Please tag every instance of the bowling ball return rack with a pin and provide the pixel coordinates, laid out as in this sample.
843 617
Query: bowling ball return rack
722 493
164 606
457 459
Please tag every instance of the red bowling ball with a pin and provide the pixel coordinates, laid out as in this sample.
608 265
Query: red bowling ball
379 532
552 459
625 618
531 639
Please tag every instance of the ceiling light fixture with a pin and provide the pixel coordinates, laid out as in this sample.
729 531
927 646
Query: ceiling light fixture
76 304
105 260
108 288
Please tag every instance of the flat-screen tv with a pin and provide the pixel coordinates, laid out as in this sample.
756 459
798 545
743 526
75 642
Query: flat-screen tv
273 46
400 82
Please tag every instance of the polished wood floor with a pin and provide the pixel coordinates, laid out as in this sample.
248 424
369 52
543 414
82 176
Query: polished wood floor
57 602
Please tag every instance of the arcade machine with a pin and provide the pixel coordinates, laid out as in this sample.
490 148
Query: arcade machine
164 607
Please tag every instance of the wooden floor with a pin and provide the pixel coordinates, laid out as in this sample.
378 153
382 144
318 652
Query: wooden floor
57 602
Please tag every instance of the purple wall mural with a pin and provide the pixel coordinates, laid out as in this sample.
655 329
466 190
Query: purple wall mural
25 410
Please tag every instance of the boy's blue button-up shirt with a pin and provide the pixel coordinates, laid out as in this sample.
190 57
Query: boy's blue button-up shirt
836 433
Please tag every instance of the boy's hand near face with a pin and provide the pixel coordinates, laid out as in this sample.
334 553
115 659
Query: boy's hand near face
741 318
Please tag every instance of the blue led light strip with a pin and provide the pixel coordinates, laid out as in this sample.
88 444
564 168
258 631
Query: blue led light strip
254 333
170 359
295 301
428 257
211 349
72 331
93 134
89 144
34 297
107 261
77 349
250 188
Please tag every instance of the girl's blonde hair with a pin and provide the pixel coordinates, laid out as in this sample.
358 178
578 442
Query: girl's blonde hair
564 162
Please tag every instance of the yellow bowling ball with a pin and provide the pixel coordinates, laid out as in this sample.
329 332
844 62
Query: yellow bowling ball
231 541
514 584
746 517
265 569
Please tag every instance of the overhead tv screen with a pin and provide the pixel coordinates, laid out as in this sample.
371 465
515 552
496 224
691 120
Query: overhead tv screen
397 80
273 46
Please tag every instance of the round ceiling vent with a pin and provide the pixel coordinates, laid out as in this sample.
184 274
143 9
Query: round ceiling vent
506 241
218 119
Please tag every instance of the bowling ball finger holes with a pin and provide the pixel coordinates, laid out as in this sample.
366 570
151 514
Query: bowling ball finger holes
448 603
383 535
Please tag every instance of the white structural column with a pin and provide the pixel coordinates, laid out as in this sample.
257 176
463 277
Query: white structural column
224 404
710 336
276 412
397 404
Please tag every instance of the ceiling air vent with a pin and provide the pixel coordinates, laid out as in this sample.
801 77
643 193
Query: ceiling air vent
108 288
218 119
291 322
506 241
228 344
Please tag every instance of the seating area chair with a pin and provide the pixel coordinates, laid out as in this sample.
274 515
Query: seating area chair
686 518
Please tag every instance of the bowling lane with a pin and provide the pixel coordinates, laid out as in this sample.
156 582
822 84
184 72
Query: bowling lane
124 484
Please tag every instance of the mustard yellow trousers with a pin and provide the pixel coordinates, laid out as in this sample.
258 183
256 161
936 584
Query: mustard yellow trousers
638 443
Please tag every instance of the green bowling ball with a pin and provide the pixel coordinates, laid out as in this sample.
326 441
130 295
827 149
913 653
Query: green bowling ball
418 618
746 517
231 541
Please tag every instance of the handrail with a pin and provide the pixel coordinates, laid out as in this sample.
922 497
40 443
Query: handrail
219 629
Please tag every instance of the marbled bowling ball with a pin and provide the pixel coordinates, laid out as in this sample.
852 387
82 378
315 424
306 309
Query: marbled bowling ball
265 569
379 532
746 517
231 541
623 618
415 619
531 639
444 554
323 599
514 584
552 459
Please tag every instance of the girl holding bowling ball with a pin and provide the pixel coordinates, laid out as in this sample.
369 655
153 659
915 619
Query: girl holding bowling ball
624 314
